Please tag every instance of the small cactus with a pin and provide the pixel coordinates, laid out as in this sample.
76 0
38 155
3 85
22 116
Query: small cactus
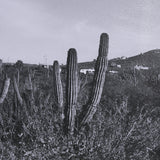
72 88
58 91
5 90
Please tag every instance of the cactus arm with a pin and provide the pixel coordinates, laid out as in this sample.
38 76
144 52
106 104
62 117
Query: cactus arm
20 100
72 88
58 90
99 79
5 90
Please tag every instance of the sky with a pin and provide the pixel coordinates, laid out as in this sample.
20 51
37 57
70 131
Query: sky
41 31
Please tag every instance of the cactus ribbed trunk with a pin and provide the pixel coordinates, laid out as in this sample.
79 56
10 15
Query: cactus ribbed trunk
20 100
58 91
99 79
5 90
72 88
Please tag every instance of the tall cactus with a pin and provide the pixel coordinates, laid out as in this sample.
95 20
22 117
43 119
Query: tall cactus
99 78
58 86
72 88
5 90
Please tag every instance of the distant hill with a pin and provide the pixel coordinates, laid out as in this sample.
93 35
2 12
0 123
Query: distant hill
149 59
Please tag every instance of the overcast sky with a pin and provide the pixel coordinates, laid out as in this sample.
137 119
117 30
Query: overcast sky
44 30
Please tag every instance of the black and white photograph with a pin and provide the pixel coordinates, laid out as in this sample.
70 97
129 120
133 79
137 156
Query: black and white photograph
79 79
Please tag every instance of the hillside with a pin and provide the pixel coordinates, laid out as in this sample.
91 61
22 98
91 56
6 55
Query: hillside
150 59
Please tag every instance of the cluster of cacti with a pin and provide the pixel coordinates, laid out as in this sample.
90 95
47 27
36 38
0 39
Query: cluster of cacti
71 87
72 84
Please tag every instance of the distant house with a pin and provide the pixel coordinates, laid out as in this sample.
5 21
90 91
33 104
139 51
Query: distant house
123 57
85 71
44 66
118 65
141 67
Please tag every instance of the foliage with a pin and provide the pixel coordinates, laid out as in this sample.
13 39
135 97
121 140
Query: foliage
125 126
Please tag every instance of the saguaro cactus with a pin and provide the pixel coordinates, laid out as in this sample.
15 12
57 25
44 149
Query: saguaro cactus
99 78
5 90
72 88
58 86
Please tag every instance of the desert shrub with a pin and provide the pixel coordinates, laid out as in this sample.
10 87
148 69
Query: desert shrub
125 126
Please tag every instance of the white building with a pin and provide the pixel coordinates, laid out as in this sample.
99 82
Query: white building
87 70
141 67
